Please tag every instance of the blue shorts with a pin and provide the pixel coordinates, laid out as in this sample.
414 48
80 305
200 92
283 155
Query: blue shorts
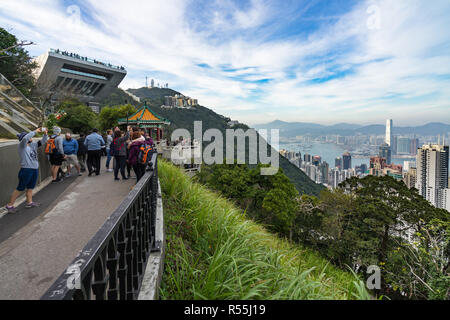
27 178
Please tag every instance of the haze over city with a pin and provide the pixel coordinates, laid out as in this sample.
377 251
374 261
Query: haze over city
257 61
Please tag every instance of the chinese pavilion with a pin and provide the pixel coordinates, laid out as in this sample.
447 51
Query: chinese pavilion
146 118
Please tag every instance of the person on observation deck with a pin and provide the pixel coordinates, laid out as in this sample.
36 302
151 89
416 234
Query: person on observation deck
29 168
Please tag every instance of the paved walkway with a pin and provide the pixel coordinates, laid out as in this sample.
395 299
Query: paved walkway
37 245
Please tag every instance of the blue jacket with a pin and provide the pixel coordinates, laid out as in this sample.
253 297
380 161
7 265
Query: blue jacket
70 146
94 141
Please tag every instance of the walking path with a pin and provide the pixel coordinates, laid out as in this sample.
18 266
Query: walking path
37 245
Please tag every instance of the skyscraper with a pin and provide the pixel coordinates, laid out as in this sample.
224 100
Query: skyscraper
413 147
403 145
389 136
347 161
338 163
432 174
385 152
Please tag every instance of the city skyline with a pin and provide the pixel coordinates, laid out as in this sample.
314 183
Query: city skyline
310 61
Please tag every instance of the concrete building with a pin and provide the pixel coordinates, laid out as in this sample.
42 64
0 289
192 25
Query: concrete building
403 146
385 152
377 164
179 101
432 163
347 161
389 133
338 162
67 74
410 178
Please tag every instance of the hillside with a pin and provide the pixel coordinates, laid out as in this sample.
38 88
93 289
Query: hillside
215 252
182 118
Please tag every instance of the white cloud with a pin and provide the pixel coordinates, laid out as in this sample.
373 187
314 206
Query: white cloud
407 59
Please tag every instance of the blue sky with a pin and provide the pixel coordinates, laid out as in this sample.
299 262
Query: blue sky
323 61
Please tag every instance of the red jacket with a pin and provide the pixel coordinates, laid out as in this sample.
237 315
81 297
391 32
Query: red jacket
134 152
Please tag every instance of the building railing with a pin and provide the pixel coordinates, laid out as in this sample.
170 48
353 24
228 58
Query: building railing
112 264
86 59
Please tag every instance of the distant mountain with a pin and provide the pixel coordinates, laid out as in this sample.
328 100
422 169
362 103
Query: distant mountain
292 129
153 93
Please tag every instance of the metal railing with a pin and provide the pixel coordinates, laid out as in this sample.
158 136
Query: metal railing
112 264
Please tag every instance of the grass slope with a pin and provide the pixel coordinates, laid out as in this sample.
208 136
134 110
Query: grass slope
215 252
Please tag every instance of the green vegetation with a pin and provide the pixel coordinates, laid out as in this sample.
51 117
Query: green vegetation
109 115
370 221
15 62
215 252
118 97
77 116
379 221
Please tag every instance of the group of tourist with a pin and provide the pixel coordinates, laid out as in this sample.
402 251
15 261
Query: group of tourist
84 153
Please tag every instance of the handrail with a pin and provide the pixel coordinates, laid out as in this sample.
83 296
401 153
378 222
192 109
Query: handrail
17 92
112 264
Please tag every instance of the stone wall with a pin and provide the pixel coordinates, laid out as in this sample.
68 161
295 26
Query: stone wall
10 166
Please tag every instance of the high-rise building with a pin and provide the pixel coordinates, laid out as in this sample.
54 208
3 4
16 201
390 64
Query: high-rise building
403 145
410 177
324 168
408 164
307 158
377 164
346 161
385 152
338 162
316 160
413 146
432 174
389 132
394 145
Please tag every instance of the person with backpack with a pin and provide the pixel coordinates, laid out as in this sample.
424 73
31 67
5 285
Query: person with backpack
133 158
55 150
29 168
118 150
82 151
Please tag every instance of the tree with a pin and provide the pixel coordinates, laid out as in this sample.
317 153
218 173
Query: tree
395 228
109 116
78 117
15 62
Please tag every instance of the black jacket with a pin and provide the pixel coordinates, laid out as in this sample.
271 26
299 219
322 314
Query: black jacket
82 149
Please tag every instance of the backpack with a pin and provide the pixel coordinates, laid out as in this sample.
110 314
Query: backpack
145 151
50 145
114 149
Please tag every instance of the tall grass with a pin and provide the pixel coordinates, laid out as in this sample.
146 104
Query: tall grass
215 252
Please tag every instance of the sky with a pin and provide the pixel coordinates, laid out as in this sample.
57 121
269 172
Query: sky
255 61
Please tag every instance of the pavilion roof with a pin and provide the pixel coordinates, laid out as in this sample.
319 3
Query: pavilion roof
145 115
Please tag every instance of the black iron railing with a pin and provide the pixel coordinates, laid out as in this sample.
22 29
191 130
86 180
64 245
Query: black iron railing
112 264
